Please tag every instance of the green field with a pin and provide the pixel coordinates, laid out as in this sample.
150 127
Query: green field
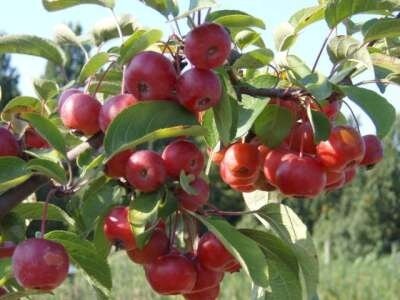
364 279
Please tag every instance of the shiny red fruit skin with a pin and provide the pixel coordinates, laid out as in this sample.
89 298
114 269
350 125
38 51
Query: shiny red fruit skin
338 184
7 249
207 46
290 104
208 294
8 143
116 166
218 156
345 147
34 141
212 254
300 176
272 162
331 109
146 171
157 246
302 131
113 107
232 180
3 291
198 90
171 274
350 174
194 202
40 264
183 155
242 159
233 267
81 112
64 95
206 278
333 177
117 228
373 150
150 76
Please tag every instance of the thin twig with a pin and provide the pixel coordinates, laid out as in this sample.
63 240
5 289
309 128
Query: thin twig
45 209
322 50
353 115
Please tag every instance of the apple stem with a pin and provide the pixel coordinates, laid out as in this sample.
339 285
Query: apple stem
102 78
173 231
322 50
302 144
353 115
45 209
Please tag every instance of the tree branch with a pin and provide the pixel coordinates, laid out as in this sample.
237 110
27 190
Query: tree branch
16 195
273 93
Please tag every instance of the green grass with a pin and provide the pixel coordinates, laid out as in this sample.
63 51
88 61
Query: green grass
364 279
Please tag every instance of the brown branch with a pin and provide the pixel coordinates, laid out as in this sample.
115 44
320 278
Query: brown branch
14 196
272 93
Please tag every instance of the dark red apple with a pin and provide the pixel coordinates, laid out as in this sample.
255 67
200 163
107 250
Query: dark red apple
242 160
158 245
7 249
116 166
272 162
302 138
171 274
207 46
198 90
112 107
194 202
81 112
8 143
118 229
183 155
150 76
146 171
373 150
40 264
33 140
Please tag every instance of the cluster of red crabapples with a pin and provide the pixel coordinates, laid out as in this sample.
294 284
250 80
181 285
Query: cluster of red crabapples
170 271
299 167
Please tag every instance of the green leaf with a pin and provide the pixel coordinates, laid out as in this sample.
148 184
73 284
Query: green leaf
235 19
273 125
307 16
339 10
343 48
298 67
143 122
168 205
33 45
100 196
284 36
106 29
254 59
34 211
249 110
47 168
100 241
225 112
46 89
20 104
320 124
83 253
388 63
54 5
245 250
184 181
212 135
381 112
318 85
48 131
144 211
282 263
93 65
137 42
248 37
291 229
164 7
64 35
13 172
381 28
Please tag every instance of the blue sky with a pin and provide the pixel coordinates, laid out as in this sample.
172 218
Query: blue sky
29 17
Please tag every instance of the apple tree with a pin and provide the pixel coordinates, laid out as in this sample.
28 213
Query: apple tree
127 146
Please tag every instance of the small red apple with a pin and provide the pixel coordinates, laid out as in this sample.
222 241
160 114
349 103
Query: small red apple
116 166
7 249
194 202
117 228
272 162
65 94
242 160
373 150
33 140
8 143
302 138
